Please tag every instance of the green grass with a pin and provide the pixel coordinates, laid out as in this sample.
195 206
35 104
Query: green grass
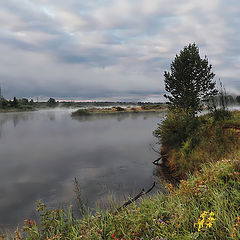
176 215
190 142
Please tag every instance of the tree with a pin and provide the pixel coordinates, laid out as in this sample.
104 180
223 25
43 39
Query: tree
3 103
24 101
230 99
238 99
190 81
15 102
51 102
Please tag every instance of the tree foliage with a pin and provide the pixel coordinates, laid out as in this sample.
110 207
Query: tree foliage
238 99
14 103
190 81
51 102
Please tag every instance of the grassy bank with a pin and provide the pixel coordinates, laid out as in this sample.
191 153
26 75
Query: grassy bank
113 110
206 206
189 142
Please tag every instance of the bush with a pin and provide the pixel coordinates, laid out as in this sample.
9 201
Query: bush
152 107
119 109
3 103
176 128
80 112
51 102
221 114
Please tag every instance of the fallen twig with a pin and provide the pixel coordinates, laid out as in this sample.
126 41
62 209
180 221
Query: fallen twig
136 197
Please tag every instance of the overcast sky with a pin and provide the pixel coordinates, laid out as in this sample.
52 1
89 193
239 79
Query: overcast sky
111 49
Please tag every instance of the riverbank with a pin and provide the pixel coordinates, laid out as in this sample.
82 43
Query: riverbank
206 206
17 110
114 110
188 143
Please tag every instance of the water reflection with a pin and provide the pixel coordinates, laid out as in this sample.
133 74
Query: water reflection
51 116
42 152
14 118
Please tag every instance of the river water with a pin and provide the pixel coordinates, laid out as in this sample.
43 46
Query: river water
42 152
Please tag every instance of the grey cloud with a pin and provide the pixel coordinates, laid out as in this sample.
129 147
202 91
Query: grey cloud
93 48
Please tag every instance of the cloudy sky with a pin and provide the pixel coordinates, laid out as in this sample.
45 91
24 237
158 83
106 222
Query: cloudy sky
111 49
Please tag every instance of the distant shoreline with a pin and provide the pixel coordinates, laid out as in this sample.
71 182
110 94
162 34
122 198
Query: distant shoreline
23 105
117 110
12 110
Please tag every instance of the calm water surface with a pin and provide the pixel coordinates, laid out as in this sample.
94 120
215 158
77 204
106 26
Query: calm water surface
42 152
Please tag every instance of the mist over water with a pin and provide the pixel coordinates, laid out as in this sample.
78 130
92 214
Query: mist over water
42 152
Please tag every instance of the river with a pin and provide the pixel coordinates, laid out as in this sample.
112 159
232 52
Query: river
43 151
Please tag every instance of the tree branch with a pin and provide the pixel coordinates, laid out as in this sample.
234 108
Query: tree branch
136 197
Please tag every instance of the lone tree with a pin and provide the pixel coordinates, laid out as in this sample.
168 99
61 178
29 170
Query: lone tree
51 102
190 81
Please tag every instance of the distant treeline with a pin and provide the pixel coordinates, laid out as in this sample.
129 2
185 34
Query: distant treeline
16 104
26 104
53 103
104 104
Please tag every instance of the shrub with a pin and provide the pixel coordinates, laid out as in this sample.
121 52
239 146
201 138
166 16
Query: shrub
176 128
80 112
147 107
152 107
119 109
221 114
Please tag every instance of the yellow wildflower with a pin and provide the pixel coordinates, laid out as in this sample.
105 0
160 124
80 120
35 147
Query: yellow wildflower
211 214
203 220
200 224
203 215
